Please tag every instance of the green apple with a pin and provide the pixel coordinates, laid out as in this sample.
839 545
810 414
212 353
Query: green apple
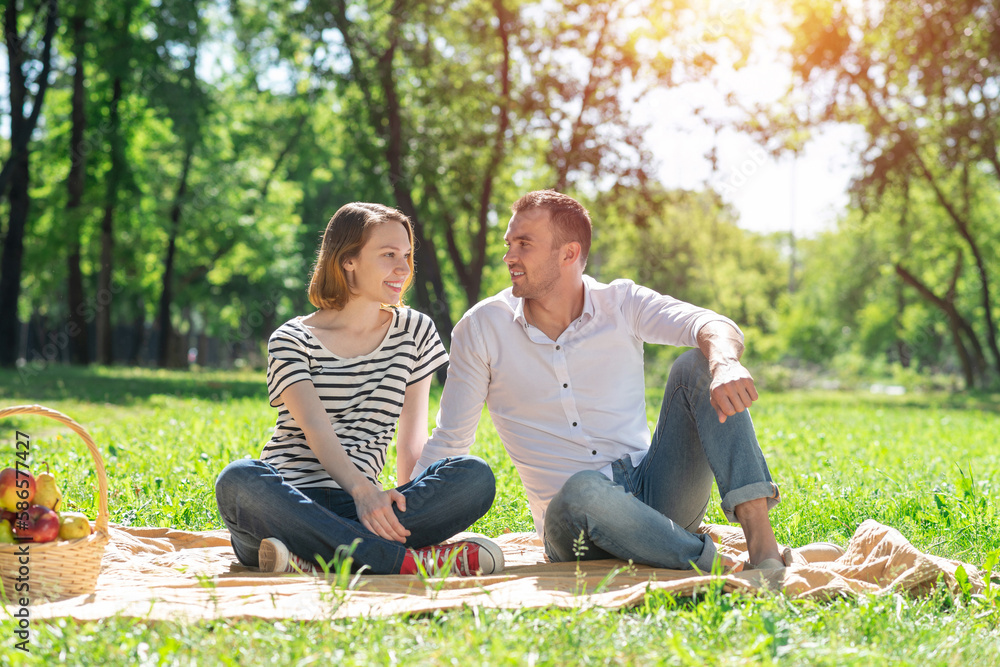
6 533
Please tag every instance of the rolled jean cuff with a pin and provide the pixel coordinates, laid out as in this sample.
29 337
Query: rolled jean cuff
750 492
707 557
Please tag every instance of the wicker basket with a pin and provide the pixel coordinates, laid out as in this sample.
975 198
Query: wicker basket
60 568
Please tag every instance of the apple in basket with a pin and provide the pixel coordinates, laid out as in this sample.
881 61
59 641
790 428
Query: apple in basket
15 486
6 533
38 524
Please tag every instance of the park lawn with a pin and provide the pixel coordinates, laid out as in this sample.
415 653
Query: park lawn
928 465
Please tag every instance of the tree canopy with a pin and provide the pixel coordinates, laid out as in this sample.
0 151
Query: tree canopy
170 165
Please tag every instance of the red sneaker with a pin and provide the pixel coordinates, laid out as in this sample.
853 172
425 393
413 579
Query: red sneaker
475 556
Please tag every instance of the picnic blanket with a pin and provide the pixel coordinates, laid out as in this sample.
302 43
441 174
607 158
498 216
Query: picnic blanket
166 574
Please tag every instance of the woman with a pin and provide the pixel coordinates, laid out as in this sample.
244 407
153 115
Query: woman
341 378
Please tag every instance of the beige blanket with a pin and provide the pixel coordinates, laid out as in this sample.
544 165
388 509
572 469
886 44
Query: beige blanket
159 573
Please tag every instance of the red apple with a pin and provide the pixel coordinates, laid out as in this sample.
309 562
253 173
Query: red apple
15 486
40 525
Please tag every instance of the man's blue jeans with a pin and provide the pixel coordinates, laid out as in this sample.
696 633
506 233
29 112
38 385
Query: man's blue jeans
647 512
255 503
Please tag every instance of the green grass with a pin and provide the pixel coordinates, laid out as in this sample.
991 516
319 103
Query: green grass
928 465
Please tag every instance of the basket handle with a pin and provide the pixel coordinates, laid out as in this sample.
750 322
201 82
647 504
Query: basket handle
102 477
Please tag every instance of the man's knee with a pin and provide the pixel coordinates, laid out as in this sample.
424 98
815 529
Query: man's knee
585 500
580 491
691 367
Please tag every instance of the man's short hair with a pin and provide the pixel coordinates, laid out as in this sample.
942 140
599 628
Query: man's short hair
570 220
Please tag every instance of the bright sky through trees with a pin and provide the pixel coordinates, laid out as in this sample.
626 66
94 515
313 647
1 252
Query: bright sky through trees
806 193
762 188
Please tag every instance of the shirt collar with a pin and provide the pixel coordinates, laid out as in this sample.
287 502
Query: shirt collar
588 298
588 304
519 312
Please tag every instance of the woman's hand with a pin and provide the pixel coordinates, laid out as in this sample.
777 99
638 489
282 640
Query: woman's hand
374 507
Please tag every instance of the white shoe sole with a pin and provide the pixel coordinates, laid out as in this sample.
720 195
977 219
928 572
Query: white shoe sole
493 550
272 556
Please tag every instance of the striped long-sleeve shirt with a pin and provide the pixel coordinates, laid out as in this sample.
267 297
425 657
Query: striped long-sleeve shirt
363 396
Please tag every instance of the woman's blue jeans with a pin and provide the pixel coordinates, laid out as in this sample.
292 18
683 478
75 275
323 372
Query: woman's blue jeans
647 512
256 503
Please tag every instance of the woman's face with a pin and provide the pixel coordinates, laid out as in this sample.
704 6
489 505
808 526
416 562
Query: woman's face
380 269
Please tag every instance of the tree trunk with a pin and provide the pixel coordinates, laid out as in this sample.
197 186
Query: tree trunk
138 335
17 169
566 156
104 348
430 286
962 225
470 274
912 143
386 120
13 253
974 364
79 348
167 294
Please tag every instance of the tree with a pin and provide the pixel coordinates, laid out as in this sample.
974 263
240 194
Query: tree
922 79
461 108
75 184
687 244
15 175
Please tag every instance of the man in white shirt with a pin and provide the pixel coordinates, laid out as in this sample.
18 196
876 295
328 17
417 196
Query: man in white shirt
558 360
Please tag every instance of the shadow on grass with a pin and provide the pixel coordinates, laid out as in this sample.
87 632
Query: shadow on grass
126 385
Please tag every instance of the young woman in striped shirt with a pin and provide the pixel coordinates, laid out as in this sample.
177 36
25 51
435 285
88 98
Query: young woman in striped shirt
344 379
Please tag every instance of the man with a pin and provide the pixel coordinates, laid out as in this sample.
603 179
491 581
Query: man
557 358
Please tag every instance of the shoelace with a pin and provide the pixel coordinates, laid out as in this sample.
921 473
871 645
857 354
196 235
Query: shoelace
442 554
303 564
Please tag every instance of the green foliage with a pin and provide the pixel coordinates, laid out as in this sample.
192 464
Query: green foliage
920 80
687 244
868 316
285 112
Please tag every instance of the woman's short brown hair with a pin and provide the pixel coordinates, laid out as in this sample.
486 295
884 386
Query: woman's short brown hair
345 235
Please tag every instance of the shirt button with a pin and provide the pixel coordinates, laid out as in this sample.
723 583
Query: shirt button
574 423
558 347
594 452
565 386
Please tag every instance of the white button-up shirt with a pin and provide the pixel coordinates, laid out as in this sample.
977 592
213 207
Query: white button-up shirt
575 403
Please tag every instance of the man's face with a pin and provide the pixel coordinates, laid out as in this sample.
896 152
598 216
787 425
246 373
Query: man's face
532 256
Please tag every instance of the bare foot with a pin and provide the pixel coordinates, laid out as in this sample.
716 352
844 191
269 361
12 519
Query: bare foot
753 518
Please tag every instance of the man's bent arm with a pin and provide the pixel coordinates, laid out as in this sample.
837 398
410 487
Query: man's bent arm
462 399
732 386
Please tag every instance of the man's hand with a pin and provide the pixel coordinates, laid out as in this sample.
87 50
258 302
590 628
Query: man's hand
732 389
374 507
